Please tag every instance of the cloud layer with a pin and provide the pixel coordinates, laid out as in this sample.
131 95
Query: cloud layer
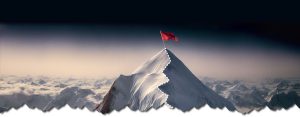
47 93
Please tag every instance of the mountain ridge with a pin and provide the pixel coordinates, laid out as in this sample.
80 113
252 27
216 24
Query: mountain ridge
158 82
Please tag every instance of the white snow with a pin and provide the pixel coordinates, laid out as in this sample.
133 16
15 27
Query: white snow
163 79
186 91
140 90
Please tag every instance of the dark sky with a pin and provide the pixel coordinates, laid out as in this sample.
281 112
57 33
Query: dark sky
262 35
278 22
254 38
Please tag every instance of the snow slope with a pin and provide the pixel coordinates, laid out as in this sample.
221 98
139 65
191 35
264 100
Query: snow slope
163 79
186 91
140 90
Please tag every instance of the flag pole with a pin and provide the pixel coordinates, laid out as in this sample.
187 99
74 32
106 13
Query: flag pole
164 44
162 40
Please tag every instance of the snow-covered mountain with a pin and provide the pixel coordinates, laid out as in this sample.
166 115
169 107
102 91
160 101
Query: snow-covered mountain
249 96
163 79
47 93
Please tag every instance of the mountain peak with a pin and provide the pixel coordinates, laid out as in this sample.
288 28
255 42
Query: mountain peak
163 79
155 64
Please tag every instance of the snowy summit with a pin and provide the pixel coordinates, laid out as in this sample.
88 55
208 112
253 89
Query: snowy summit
163 79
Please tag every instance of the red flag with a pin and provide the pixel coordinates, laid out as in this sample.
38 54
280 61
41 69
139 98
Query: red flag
166 36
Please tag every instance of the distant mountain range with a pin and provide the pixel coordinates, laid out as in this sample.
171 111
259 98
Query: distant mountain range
161 80
249 96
